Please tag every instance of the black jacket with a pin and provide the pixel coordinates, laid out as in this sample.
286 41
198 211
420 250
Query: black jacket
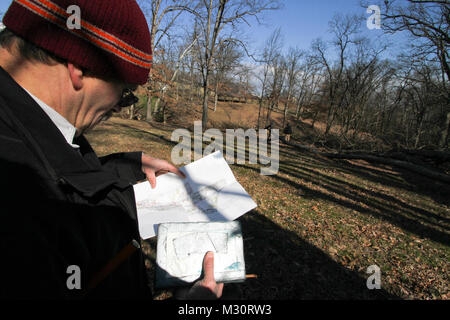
61 207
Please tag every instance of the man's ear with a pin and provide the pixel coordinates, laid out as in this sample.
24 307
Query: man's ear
76 76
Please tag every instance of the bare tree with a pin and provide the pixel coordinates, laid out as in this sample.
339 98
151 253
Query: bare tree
271 52
278 69
191 61
162 15
292 63
345 30
245 74
214 18
427 21
226 59
307 84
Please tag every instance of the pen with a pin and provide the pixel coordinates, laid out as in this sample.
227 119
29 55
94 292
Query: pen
124 254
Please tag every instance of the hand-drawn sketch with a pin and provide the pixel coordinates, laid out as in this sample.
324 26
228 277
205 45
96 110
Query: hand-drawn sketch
182 246
199 243
210 192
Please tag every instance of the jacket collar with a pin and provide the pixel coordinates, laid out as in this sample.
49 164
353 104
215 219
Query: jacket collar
81 169
66 128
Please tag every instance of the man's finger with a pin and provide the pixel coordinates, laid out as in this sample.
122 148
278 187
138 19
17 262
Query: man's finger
162 172
177 171
151 178
208 267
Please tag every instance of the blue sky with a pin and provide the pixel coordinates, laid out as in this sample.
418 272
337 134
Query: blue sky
4 4
301 21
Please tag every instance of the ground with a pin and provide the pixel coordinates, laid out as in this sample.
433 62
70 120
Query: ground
321 223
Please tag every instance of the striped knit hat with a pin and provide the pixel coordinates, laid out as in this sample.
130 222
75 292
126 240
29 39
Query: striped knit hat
114 39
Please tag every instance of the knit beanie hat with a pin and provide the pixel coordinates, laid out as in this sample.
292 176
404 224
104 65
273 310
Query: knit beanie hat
113 41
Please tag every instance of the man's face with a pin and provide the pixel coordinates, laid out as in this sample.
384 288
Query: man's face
102 99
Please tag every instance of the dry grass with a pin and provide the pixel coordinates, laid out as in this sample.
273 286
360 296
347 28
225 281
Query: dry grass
321 223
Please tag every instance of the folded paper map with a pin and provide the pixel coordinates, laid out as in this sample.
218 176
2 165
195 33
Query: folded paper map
182 248
210 192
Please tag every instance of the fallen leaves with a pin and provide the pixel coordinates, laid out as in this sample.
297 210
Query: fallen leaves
349 211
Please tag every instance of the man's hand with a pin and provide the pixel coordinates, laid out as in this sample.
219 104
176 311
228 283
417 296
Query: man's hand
155 167
207 288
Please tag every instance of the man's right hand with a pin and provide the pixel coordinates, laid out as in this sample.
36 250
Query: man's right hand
207 288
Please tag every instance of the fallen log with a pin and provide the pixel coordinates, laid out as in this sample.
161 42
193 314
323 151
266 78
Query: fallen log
402 164
433 174
437 156
408 155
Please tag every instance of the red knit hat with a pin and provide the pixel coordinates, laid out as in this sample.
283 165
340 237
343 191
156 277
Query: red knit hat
114 39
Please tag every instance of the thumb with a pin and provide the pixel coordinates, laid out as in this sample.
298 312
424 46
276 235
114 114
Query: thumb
208 267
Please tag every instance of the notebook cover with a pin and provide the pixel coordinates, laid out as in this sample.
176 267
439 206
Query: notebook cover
182 246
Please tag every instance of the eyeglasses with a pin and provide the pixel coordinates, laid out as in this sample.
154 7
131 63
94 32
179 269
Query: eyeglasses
128 98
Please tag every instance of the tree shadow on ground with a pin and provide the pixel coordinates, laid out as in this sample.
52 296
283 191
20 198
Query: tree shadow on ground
153 136
288 268
378 199
377 173
407 180
416 218
421 222
438 191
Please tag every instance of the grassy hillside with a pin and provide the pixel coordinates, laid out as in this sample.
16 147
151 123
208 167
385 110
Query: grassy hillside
321 223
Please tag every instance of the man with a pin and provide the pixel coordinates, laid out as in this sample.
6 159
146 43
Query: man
287 131
65 213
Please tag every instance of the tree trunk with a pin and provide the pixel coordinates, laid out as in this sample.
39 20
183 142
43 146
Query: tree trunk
419 133
192 82
216 96
445 133
157 103
259 113
131 112
330 119
298 111
269 110
285 115
286 109
314 119
164 115
149 116
205 104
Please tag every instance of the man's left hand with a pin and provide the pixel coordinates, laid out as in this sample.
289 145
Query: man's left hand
155 167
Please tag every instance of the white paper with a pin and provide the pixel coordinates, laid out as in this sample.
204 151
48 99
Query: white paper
182 248
210 192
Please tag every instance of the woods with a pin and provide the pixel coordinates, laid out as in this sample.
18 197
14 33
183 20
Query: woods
362 173
366 98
